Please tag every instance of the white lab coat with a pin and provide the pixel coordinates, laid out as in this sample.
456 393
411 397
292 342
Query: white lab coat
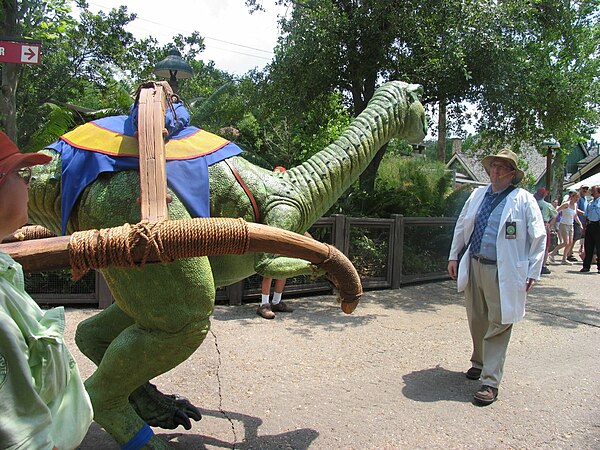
518 259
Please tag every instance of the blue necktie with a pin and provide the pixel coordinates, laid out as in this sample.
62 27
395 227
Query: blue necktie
481 222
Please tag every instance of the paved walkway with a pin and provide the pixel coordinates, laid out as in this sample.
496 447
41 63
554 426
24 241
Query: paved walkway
389 376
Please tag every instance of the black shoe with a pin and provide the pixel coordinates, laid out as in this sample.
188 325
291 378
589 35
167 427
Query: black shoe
546 271
585 269
473 373
572 258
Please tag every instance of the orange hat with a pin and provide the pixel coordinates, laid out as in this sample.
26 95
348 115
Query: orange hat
279 169
12 159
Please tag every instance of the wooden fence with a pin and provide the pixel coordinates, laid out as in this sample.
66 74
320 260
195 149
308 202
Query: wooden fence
386 252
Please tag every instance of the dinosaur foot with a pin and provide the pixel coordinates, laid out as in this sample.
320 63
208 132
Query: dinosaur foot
162 410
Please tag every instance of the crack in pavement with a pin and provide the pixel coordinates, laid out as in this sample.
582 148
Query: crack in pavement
220 390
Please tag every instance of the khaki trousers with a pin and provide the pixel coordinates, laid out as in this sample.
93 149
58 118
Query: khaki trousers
490 336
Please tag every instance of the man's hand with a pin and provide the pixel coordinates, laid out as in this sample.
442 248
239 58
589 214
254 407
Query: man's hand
530 283
453 268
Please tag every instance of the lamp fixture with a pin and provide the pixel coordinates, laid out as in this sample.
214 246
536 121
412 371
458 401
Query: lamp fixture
174 68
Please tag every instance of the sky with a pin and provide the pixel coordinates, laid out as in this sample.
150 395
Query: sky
235 40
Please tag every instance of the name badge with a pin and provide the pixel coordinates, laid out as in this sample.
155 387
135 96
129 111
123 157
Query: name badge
511 230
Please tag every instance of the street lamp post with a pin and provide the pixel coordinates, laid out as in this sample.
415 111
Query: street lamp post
174 68
550 144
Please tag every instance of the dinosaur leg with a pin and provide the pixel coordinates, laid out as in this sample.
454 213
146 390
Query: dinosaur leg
170 305
95 334
93 337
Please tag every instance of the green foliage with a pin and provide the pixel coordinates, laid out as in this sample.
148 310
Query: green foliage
426 248
369 251
530 67
289 141
456 200
544 79
202 108
398 147
56 121
87 60
413 187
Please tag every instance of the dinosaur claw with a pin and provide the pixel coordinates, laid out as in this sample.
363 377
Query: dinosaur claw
181 419
162 410
194 413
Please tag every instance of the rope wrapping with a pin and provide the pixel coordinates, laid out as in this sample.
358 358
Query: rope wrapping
342 275
30 232
163 241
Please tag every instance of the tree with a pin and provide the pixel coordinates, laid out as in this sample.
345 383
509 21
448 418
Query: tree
544 80
352 46
21 19
76 54
90 61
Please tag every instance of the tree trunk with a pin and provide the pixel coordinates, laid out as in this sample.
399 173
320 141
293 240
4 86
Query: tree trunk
8 103
441 142
558 175
367 178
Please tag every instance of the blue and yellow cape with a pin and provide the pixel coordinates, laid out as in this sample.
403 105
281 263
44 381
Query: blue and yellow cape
109 145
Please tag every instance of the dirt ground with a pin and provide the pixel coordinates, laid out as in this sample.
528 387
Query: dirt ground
389 376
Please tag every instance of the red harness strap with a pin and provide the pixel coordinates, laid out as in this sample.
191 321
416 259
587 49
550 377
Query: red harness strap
238 177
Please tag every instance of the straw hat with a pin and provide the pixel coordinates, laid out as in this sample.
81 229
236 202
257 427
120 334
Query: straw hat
506 156
12 159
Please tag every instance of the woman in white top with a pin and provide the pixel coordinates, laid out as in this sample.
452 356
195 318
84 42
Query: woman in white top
565 229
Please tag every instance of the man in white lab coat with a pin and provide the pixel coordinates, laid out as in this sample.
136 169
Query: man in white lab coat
503 231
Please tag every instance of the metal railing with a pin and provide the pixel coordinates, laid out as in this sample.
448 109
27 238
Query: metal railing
387 254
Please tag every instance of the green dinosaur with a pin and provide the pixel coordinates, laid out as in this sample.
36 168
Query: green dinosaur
161 312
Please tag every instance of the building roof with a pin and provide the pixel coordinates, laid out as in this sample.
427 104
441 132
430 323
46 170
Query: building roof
470 168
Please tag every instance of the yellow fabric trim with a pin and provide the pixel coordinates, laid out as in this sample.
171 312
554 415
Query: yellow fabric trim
94 138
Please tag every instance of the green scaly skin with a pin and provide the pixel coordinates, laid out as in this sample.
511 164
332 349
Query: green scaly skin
161 312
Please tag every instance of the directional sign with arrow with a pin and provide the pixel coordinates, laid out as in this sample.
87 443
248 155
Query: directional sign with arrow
23 52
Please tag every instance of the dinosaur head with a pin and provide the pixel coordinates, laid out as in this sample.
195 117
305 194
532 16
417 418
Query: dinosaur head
415 126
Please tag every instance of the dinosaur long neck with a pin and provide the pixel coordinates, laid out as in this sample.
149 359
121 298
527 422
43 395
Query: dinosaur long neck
328 174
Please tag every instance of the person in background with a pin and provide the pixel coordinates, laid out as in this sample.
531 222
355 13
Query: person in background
43 403
267 309
565 229
592 231
502 228
549 214
582 203
555 203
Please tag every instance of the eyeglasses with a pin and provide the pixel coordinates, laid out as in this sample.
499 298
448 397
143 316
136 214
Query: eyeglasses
24 173
500 166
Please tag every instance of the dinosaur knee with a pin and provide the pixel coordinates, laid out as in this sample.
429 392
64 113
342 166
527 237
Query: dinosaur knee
84 338
190 336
